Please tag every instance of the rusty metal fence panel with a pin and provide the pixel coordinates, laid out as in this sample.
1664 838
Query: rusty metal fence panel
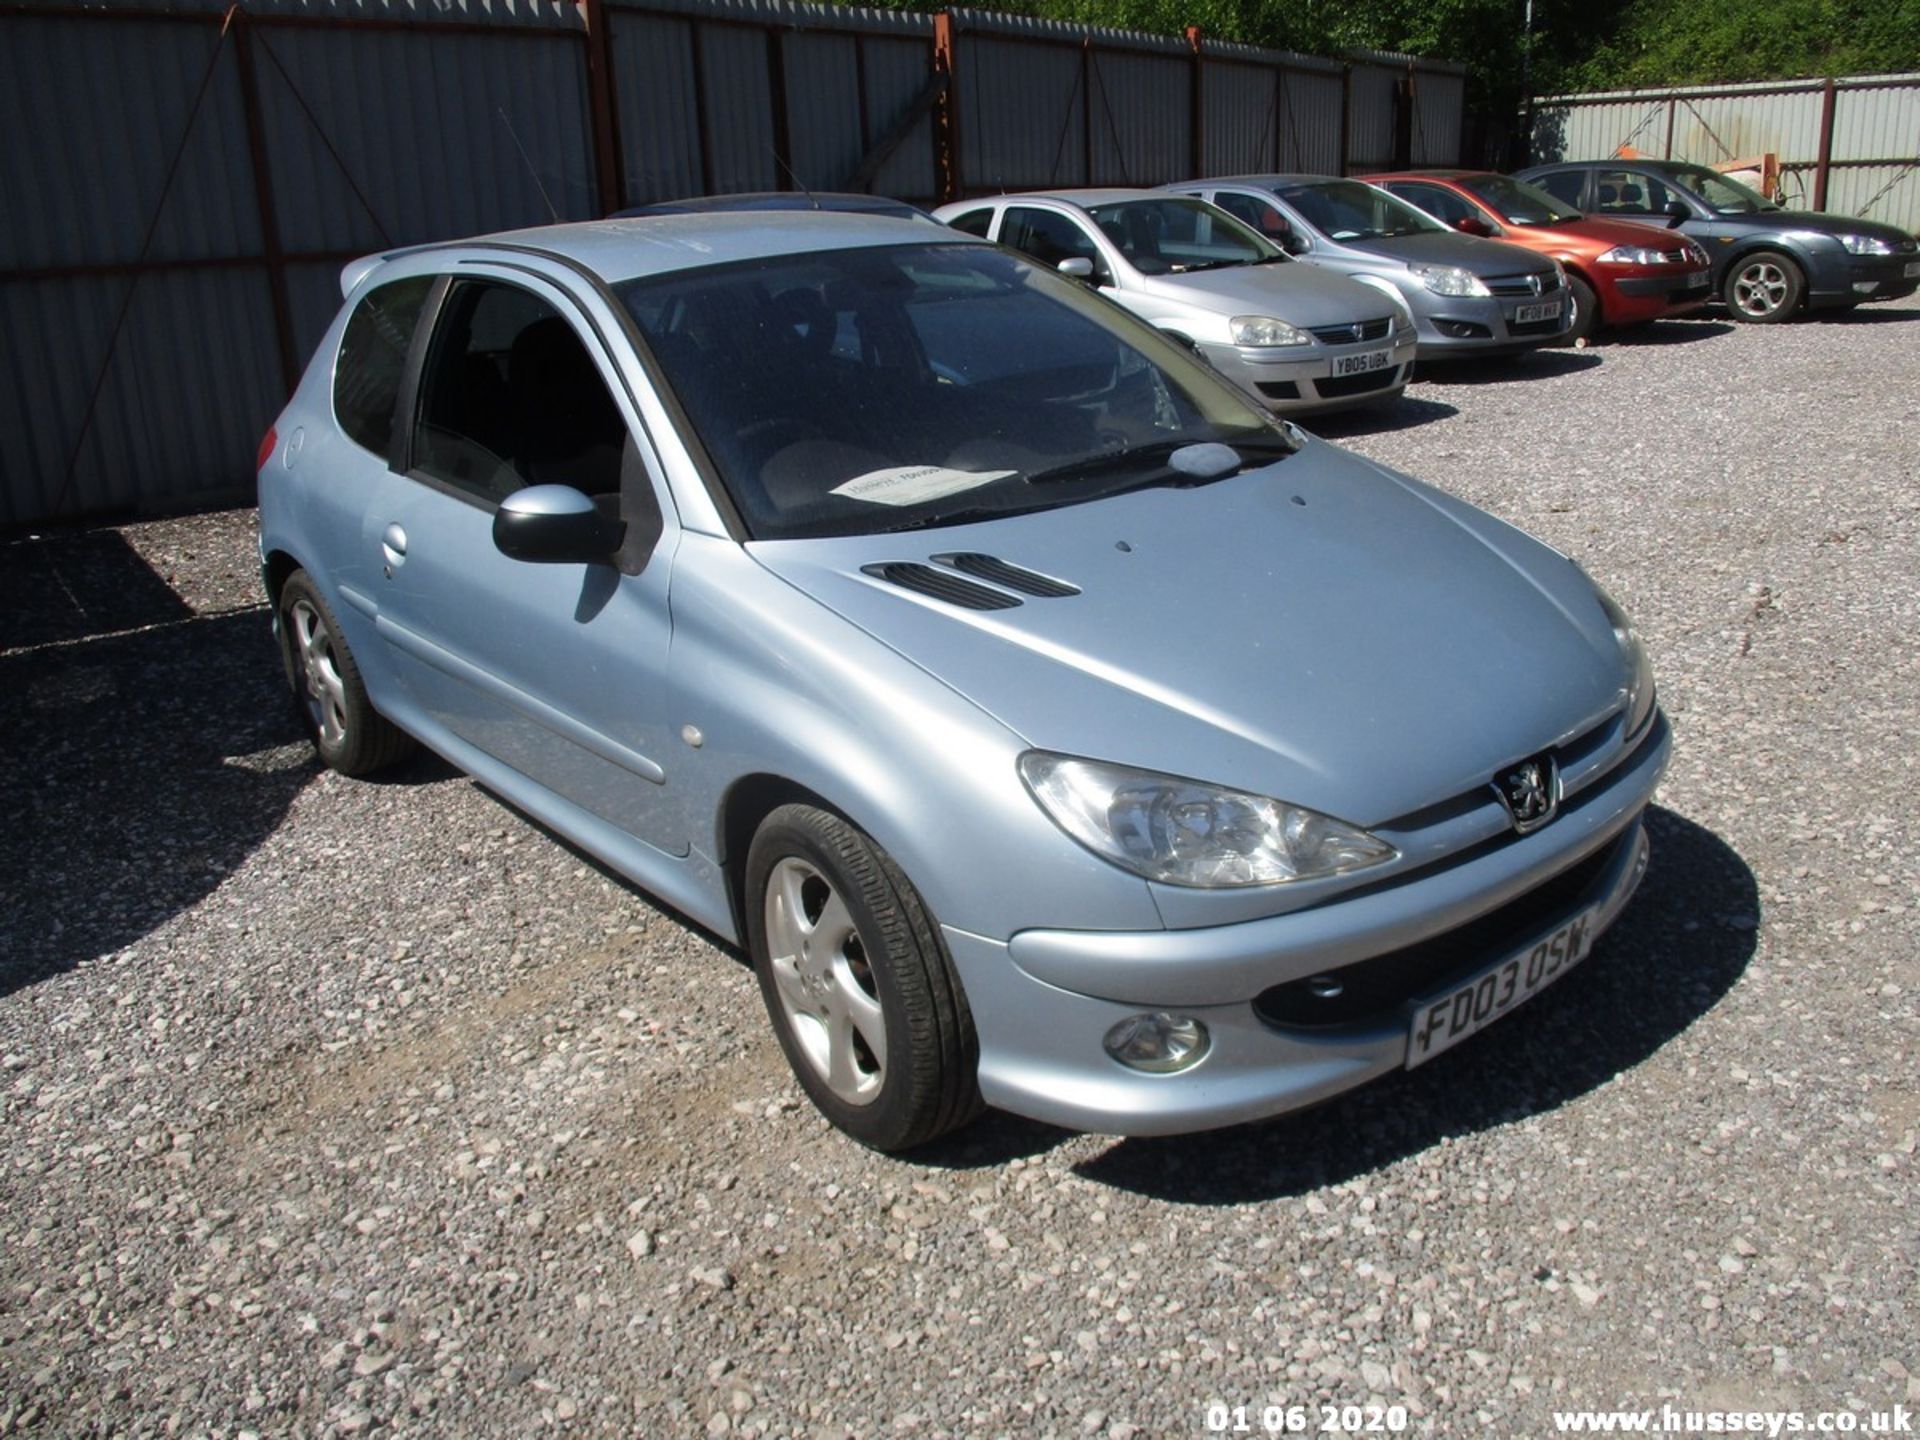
1848 145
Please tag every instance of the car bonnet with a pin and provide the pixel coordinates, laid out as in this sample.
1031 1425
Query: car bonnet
1320 629
1482 257
1299 294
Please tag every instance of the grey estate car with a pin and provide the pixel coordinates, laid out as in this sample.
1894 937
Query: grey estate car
1053 728
1304 340
1470 297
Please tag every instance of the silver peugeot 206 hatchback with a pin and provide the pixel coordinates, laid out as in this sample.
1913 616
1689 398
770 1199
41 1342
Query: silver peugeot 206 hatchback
1056 730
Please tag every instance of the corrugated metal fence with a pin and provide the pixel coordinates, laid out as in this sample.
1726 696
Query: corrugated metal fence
184 180
1851 146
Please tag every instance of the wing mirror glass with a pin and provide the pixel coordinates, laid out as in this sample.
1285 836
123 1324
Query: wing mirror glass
1473 225
1676 210
558 525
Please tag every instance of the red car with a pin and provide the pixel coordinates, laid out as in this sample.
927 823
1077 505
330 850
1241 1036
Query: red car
1619 272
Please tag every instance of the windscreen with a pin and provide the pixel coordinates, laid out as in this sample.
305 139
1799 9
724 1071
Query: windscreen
1726 197
1172 237
1348 210
1517 202
858 391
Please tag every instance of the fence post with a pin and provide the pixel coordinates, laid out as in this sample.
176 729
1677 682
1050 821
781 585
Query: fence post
1672 108
263 199
1346 114
1823 163
777 102
609 173
946 112
1197 116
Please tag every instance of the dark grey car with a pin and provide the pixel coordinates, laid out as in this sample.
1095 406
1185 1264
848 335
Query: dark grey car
1768 262
1469 297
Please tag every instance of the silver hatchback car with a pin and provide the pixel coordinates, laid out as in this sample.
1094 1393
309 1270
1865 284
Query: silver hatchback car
1053 728
1304 340
1471 297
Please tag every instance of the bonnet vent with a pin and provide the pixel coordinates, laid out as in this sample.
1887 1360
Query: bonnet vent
940 585
999 572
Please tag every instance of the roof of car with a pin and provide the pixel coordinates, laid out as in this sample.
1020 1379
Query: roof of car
1438 172
850 202
625 249
1111 195
1268 182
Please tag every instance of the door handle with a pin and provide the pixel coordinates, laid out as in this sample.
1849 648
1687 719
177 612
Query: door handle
393 546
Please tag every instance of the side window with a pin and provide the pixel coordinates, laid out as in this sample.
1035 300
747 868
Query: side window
1438 201
373 353
1564 185
974 222
510 397
1050 238
1261 216
1629 192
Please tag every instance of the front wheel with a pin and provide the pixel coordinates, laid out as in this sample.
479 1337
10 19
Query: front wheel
351 736
1762 288
858 983
1586 311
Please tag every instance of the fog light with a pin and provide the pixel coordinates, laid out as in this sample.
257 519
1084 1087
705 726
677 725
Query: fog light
1865 287
1158 1043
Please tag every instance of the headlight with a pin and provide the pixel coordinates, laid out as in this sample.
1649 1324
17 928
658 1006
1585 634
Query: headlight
1633 255
1264 331
1183 832
1640 684
1696 255
1450 280
1865 245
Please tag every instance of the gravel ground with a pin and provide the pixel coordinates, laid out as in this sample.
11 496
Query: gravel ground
335 1107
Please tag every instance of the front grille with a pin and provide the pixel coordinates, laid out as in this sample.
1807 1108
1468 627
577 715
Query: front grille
1376 990
1513 285
1905 247
1335 388
1677 257
1346 334
1278 389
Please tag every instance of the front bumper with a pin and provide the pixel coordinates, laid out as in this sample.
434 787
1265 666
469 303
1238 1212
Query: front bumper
1303 380
1651 297
1043 1001
1852 279
1459 328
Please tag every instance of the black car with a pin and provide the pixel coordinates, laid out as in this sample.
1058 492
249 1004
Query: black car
1767 261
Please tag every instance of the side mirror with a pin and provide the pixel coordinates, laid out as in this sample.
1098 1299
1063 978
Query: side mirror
556 525
1473 225
1076 267
1676 210
1293 242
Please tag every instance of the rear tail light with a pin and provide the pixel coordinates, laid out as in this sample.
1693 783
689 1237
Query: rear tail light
267 442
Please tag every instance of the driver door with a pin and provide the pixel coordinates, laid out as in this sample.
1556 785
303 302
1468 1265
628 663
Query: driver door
552 670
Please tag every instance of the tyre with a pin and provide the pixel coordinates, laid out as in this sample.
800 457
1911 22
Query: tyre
351 736
858 983
1586 311
1762 288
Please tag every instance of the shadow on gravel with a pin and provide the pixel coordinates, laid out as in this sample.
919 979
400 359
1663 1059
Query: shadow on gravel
73 586
1666 332
1404 414
143 769
1502 370
1860 315
1679 947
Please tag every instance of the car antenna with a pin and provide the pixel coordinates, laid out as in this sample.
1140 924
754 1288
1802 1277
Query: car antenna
798 183
527 160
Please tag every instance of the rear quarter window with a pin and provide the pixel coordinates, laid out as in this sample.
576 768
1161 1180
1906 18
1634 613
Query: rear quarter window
373 355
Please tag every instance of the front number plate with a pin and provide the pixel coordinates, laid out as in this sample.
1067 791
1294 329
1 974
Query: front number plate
1913 269
1699 277
1364 364
1527 314
1444 1021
